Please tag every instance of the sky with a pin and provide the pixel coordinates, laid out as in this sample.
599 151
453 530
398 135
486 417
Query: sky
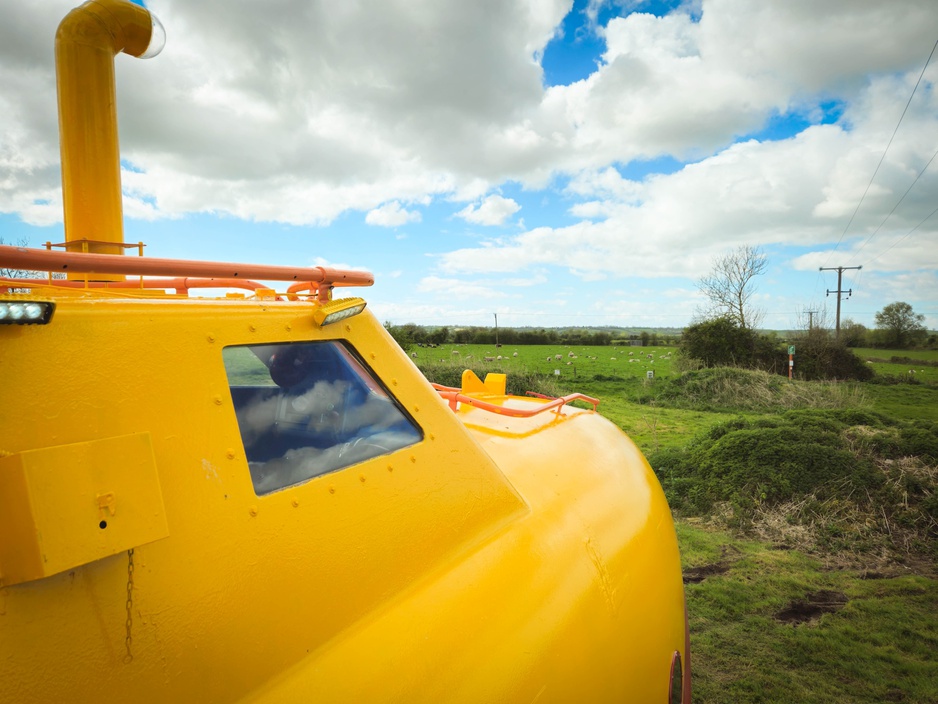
552 162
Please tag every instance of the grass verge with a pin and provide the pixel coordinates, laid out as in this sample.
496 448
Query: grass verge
777 625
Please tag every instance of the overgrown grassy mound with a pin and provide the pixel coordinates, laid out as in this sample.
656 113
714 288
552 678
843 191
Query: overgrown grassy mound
849 475
733 389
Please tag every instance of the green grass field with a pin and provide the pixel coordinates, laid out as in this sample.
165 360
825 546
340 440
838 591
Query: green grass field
814 601
915 365
770 624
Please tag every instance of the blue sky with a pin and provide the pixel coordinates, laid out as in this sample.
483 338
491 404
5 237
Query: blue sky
555 163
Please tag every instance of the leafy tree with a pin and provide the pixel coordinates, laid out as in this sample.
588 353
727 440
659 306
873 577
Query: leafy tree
729 286
400 335
853 334
439 336
902 326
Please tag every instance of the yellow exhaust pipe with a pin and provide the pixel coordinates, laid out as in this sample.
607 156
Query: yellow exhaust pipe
86 43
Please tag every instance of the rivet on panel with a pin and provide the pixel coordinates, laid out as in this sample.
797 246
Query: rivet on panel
416 409
348 328
331 489
295 503
361 478
374 356
211 338
390 468
230 454
252 328
289 327
393 382
413 459
431 436
253 510
217 400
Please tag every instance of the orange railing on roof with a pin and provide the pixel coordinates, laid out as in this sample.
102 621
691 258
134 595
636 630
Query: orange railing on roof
317 278
455 396
179 284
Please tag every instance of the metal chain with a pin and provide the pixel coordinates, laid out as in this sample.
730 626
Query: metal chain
130 603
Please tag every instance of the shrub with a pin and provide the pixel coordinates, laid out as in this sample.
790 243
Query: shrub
821 453
719 343
822 356
727 388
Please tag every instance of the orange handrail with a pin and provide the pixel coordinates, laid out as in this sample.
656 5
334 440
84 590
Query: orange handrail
87 263
180 284
454 396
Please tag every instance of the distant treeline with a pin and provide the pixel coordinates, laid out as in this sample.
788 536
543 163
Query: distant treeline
411 334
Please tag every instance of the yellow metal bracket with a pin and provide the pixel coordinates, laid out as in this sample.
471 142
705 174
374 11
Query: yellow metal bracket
494 383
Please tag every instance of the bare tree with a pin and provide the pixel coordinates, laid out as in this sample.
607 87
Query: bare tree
729 286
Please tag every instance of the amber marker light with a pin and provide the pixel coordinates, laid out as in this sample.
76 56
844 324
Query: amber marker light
25 312
339 309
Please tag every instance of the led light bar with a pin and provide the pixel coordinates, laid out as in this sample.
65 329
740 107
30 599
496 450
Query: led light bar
25 312
339 309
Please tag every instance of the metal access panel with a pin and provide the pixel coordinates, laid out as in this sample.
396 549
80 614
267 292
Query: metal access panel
68 505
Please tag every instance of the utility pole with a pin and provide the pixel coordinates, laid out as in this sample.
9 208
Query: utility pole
496 330
811 318
840 272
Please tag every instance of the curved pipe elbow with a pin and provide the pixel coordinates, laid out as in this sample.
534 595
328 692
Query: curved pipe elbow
117 25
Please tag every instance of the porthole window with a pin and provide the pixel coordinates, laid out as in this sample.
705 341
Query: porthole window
308 408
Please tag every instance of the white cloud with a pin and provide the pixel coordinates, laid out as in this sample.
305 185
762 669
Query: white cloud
306 112
798 191
392 215
301 114
494 210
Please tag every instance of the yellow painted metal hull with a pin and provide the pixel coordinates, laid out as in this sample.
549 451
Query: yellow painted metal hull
498 559
172 532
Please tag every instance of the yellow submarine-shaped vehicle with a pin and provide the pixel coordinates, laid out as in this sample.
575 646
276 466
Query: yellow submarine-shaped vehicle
259 498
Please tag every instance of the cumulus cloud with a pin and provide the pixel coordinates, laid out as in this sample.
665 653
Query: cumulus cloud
494 210
799 191
300 114
303 112
391 215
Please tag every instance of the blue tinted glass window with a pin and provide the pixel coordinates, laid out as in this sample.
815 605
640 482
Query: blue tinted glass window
308 408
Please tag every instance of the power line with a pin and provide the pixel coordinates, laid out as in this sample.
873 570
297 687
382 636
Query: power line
883 157
903 237
857 252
